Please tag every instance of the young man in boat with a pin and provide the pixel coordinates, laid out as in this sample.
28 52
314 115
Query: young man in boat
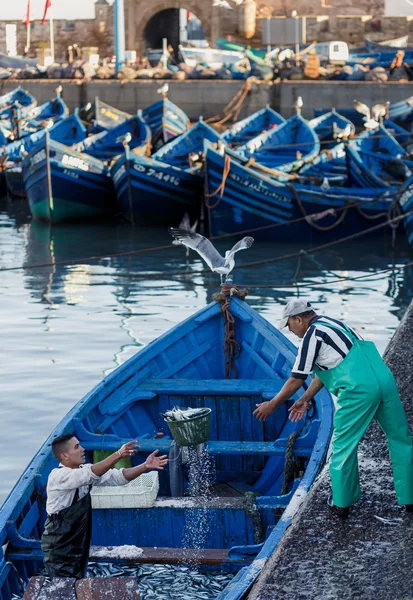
353 370
68 528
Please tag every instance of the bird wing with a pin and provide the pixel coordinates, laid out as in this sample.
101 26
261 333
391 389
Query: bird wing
185 222
362 108
200 244
243 244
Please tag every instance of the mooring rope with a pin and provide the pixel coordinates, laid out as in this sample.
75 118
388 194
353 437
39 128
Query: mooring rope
221 188
289 464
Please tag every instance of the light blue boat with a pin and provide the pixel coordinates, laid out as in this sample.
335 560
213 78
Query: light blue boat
100 116
186 366
285 148
257 123
328 124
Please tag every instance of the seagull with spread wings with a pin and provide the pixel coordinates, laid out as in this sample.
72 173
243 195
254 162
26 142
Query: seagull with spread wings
208 252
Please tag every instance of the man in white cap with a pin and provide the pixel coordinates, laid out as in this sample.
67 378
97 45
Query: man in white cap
355 373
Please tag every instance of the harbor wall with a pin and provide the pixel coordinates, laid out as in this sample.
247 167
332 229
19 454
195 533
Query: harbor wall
209 97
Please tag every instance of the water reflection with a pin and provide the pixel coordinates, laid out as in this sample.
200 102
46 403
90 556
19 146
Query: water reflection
65 325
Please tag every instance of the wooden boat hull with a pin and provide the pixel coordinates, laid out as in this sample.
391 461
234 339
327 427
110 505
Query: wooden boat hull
15 182
186 365
152 192
324 127
101 116
400 112
63 185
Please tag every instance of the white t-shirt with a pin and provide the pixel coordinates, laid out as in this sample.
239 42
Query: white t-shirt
63 483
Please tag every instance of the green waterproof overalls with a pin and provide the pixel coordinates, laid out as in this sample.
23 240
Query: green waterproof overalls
365 389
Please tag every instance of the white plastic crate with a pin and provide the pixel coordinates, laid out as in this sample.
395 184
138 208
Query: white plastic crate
139 493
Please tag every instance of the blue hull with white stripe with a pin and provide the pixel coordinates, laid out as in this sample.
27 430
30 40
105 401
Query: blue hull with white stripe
400 112
64 185
166 121
153 192
186 366
100 116
326 124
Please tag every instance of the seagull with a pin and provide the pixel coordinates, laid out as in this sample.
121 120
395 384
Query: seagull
186 225
379 111
325 186
88 106
164 90
238 2
342 134
371 124
299 104
362 108
208 252
59 90
222 4
125 139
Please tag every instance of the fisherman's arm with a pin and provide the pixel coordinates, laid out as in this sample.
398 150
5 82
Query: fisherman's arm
300 407
152 462
126 451
265 409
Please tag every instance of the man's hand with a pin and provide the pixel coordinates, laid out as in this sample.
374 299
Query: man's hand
298 409
128 450
156 462
264 410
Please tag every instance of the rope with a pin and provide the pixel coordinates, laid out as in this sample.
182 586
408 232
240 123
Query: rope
221 188
310 219
253 511
233 108
232 348
289 464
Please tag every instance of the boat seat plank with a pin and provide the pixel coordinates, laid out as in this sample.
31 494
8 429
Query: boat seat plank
101 442
221 387
206 556
30 520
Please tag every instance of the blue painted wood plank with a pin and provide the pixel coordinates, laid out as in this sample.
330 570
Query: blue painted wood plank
221 387
30 520
187 359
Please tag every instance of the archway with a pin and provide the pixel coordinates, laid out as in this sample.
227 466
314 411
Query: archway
177 25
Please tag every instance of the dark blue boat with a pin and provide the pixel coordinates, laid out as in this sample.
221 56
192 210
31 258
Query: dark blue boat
387 45
405 200
105 145
154 192
186 366
53 111
62 184
247 200
177 152
166 121
257 123
285 148
327 125
100 116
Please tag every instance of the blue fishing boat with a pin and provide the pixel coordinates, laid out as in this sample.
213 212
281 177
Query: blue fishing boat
68 131
329 125
16 105
405 201
240 198
153 192
261 121
105 145
399 133
166 121
187 366
62 184
53 111
400 112
19 96
180 151
396 43
285 148
100 116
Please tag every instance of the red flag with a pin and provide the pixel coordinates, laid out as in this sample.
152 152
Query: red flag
46 8
28 14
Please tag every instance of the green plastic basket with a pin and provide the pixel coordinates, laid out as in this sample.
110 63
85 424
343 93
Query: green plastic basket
191 432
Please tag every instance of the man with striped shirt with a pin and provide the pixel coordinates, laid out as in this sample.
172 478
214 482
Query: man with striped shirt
355 373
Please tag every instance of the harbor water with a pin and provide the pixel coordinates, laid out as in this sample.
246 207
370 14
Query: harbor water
64 326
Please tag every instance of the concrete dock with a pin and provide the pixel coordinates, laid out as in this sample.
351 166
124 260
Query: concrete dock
371 555
208 97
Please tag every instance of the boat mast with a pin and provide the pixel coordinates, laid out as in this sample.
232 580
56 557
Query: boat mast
119 22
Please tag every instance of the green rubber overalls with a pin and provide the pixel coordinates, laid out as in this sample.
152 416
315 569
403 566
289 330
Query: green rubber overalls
365 390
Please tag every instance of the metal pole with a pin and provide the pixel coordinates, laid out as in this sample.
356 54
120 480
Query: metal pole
268 35
28 37
119 15
297 43
51 34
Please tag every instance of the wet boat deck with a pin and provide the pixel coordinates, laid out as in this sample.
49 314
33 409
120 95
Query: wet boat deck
370 556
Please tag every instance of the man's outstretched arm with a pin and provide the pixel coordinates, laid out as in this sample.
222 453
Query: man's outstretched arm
265 409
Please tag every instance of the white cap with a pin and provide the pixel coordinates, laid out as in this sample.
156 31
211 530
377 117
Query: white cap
294 307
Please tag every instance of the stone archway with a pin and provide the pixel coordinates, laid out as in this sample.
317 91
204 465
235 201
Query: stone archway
138 13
